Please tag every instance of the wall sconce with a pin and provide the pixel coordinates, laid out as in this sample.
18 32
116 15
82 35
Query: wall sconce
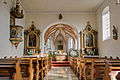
117 2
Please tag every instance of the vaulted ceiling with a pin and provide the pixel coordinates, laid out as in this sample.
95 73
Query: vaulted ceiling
60 29
61 5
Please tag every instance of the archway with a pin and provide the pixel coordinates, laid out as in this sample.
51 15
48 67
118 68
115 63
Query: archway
66 30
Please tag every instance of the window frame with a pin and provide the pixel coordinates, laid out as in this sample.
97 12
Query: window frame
106 24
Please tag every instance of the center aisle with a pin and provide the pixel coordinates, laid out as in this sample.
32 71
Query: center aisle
61 73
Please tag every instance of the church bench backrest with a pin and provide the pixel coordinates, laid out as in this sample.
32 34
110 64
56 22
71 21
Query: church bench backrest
44 65
117 57
16 57
75 65
5 57
71 62
97 69
88 65
102 66
27 68
82 69
38 67
49 63
10 68
10 57
31 68
98 66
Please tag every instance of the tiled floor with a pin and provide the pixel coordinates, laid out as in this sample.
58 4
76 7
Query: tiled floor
61 73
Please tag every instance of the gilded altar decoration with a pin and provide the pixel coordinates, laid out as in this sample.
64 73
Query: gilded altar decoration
32 40
16 35
16 11
88 41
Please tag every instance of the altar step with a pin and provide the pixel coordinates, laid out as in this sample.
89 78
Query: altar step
60 63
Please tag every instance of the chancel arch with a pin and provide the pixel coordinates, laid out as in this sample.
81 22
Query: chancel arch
61 36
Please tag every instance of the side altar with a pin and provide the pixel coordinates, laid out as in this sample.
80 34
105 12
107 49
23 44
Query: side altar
32 40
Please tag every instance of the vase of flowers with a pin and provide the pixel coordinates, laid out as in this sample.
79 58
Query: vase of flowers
30 52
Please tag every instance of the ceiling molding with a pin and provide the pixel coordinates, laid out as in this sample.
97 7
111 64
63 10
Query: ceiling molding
63 12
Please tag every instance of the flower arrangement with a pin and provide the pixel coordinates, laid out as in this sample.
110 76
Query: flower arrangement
91 53
73 53
30 52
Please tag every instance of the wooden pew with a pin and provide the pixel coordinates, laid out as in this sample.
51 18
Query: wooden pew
10 68
98 68
113 66
5 57
38 70
86 67
75 65
25 68
82 69
71 62
49 63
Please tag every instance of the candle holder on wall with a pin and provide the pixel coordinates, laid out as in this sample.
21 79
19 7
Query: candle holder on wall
115 33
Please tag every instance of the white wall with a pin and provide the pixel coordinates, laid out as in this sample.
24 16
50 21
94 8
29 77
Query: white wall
6 48
109 47
42 21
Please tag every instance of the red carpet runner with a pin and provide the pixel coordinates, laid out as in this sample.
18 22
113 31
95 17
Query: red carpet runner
60 63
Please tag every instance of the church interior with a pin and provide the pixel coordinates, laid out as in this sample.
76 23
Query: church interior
59 40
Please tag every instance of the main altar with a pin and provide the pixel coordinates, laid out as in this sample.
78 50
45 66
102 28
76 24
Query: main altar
60 55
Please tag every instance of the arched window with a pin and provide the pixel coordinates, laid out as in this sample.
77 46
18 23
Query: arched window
49 44
71 43
106 23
